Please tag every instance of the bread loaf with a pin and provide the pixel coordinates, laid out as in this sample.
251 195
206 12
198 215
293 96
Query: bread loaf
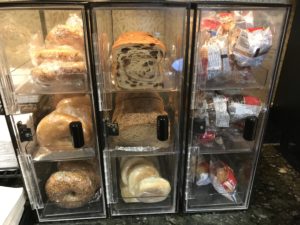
137 119
53 130
137 61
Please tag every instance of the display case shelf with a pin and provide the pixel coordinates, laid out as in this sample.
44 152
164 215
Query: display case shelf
238 145
123 208
256 78
43 154
139 151
208 199
51 212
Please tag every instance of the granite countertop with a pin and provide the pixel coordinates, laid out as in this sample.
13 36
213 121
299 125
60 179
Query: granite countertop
275 200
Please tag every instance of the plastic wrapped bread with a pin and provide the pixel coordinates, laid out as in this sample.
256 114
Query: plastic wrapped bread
137 61
136 115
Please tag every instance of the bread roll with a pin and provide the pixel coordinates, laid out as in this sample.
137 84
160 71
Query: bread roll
153 189
137 59
131 163
137 174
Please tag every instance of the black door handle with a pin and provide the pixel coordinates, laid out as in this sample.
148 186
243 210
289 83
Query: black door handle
250 128
77 134
162 128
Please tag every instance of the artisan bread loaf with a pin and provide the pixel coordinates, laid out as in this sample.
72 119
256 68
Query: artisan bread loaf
137 61
137 119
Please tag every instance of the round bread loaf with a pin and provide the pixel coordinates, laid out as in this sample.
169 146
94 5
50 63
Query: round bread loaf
53 130
153 189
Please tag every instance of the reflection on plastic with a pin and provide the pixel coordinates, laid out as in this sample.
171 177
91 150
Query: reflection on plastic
77 134
177 65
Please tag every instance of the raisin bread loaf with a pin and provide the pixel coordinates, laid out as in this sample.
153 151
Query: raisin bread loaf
137 119
137 61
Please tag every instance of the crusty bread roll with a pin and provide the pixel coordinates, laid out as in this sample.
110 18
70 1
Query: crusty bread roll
137 174
137 59
129 164
137 120
153 189
53 130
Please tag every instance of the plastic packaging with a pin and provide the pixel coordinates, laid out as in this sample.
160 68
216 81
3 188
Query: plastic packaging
223 179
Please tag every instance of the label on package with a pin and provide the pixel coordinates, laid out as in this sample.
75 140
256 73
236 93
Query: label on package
243 109
222 116
214 60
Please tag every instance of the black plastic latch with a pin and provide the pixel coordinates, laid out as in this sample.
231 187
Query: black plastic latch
199 126
250 128
24 132
162 128
112 129
77 134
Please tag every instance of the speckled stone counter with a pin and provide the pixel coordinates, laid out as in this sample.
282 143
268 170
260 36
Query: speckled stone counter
275 200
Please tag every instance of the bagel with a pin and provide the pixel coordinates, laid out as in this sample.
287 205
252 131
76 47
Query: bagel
81 165
131 163
69 189
153 189
137 174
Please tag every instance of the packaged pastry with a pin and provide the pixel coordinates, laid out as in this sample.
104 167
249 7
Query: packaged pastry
242 106
227 21
214 57
202 171
137 61
252 45
223 179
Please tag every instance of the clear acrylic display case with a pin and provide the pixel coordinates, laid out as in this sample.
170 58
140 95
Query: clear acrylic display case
140 56
236 56
46 91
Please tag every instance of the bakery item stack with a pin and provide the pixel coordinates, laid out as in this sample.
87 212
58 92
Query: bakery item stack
62 58
53 130
137 61
141 181
136 115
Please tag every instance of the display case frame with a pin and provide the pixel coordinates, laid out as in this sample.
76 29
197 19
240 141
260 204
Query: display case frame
26 162
103 111
287 5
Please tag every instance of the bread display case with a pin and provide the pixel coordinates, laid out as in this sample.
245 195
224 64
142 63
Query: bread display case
236 60
47 92
140 62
